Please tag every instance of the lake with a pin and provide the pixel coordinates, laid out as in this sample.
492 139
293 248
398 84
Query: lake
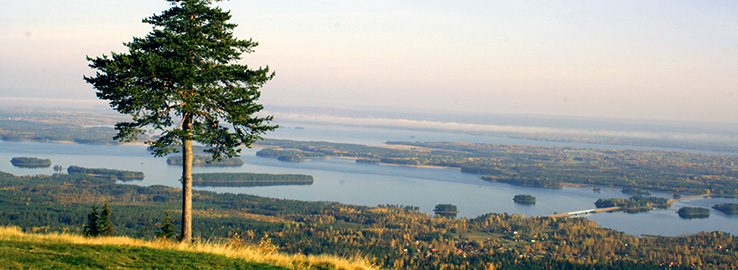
345 181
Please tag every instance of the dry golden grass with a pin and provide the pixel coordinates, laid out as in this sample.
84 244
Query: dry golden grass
247 253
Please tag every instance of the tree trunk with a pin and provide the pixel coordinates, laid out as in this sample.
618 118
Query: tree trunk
187 185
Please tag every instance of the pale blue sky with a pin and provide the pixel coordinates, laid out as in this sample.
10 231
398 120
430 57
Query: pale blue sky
672 60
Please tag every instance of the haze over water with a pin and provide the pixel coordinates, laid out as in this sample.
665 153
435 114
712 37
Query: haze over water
345 181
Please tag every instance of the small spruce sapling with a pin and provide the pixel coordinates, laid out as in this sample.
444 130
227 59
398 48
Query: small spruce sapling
105 226
92 228
166 229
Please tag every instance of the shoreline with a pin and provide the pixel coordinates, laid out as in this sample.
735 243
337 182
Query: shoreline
399 147
73 142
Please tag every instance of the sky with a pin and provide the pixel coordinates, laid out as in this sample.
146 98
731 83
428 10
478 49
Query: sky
654 60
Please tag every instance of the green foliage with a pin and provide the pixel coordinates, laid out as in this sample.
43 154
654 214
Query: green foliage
394 237
98 223
23 130
105 226
183 80
549 167
30 162
166 228
728 208
107 173
206 161
636 191
635 204
186 69
249 179
93 225
446 210
693 212
289 155
524 198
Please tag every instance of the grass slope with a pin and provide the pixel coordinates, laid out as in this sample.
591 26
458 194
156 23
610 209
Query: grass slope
20 250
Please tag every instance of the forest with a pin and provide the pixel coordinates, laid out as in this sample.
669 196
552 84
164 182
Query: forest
635 204
30 162
540 166
693 212
111 174
524 198
728 208
249 179
63 130
393 237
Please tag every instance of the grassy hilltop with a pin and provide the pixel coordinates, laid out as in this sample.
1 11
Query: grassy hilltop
20 250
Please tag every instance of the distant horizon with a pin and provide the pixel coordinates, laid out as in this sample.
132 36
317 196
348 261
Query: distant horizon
86 104
656 60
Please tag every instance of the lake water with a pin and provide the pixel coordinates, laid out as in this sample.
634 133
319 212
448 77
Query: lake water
345 181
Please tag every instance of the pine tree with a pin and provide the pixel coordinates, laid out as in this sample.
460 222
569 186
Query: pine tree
93 228
167 231
183 79
104 225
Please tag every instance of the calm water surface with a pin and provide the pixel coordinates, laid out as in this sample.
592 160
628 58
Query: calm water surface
345 181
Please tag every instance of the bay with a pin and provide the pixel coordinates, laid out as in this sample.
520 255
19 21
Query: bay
345 181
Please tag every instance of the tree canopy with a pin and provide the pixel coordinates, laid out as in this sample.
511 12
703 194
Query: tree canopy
184 80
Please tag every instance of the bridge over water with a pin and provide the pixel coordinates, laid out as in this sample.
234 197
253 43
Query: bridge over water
588 211
615 208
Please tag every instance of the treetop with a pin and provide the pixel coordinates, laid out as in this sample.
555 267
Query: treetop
183 79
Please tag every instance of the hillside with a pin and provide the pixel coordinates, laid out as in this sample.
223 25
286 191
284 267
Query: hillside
20 250
391 237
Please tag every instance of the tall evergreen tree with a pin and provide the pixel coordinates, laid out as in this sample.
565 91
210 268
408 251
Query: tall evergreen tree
183 80
104 224
93 227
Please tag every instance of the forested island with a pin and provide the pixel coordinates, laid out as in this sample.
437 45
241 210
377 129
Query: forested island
635 204
446 210
206 161
524 199
391 237
249 179
636 191
728 208
111 174
693 212
30 162
289 155
540 166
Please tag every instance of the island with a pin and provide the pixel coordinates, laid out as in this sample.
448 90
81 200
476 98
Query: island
524 199
728 208
249 179
446 210
635 204
289 155
638 172
206 161
693 212
30 162
636 191
114 175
